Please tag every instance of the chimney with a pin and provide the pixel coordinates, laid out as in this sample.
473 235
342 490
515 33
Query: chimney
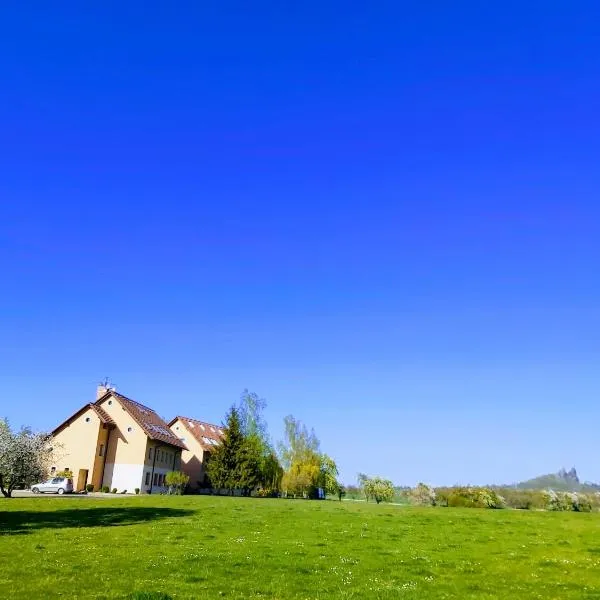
103 387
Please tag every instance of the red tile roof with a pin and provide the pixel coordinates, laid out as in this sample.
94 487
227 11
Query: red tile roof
152 425
206 434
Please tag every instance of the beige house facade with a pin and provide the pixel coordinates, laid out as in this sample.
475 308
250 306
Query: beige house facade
200 439
116 442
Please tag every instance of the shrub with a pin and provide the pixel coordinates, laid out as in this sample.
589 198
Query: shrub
64 473
474 497
177 481
124 492
105 489
266 493
89 487
137 490
422 495
114 491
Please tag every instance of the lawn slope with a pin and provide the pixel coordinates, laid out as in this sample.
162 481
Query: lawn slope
213 547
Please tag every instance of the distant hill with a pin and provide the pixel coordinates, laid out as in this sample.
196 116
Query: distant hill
565 481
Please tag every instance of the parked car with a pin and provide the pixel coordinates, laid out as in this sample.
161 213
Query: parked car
56 485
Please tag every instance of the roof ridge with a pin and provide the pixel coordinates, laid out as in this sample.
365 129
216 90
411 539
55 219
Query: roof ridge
197 421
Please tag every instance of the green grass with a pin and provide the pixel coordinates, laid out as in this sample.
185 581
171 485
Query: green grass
152 548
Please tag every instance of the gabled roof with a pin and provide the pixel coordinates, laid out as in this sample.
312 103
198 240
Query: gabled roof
104 417
151 424
206 434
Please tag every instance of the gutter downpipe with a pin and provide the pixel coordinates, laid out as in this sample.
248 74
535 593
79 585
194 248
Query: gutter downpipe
152 473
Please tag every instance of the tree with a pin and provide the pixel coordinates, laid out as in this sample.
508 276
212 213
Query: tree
301 459
24 457
250 410
261 468
423 495
381 490
225 466
177 481
306 469
362 484
250 460
328 476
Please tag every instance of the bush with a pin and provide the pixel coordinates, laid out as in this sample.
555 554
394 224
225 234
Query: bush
89 487
124 492
266 493
177 481
105 489
137 490
470 497
114 491
422 495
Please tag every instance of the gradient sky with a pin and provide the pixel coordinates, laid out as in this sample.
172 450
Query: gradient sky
385 220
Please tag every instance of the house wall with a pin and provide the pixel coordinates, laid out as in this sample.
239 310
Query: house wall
192 460
160 459
75 446
125 452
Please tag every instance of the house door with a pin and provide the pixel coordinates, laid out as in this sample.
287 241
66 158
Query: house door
82 480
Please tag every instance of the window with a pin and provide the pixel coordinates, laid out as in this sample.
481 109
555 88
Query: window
155 479
147 477
53 470
87 419
101 453
130 429
150 453
109 402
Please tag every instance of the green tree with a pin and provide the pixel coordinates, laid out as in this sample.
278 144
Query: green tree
261 468
381 490
328 476
250 461
177 481
224 467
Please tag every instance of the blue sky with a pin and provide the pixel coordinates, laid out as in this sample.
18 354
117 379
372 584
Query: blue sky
384 220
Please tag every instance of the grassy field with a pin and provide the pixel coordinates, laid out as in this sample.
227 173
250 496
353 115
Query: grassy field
211 547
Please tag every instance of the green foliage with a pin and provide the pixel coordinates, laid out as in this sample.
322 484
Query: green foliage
469 497
123 491
137 490
306 469
89 487
177 481
224 468
244 460
377 488
114 490
105 489
328 474
232 548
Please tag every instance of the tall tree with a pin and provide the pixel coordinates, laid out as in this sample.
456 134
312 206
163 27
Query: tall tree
24 457
252 422
224 468
306 469
260 464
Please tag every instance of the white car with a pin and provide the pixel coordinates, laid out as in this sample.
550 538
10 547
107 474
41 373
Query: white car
56 485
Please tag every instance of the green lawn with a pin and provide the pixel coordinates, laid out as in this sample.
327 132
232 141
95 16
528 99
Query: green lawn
211 547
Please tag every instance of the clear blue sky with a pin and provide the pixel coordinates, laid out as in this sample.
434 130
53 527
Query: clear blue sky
384 220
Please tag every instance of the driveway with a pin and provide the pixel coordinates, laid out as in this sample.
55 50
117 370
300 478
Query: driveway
30 494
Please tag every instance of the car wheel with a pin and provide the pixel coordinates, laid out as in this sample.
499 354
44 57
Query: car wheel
35 490
61 491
